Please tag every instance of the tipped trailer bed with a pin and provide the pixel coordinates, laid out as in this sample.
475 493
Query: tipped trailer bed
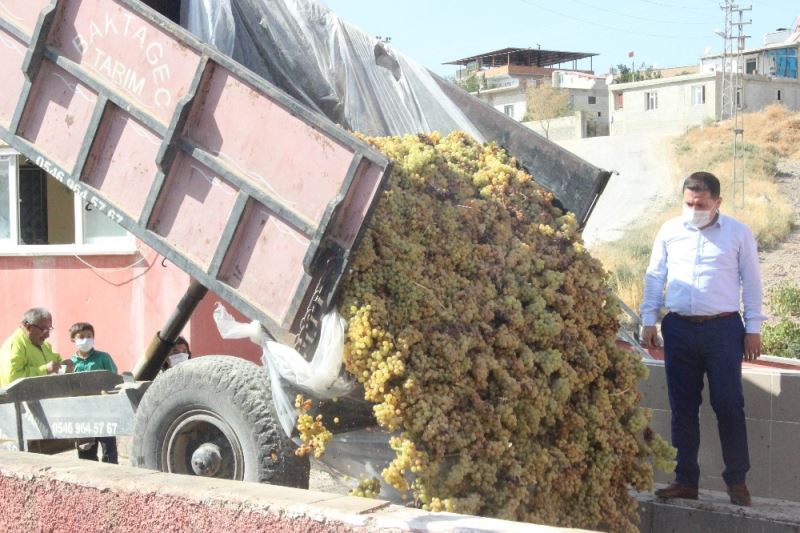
251 193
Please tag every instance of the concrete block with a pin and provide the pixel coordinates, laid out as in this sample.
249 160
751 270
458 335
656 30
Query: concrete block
759 439
787 395
758 394
713 513
785 482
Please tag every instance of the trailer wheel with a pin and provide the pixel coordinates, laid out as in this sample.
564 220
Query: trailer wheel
213 416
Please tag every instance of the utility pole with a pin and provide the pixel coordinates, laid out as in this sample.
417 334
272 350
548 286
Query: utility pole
733 90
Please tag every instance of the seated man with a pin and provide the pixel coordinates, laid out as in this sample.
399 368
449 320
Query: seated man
26 353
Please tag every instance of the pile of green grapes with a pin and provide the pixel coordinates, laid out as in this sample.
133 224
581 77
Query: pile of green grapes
484 334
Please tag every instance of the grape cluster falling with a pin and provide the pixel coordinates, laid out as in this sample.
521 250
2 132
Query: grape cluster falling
484 333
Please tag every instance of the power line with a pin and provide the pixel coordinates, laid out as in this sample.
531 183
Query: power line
627 31
645 19
672 6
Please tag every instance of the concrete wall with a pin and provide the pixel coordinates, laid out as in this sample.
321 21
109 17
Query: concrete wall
675 111
44 493
499 98
561 128
773 426
713 513
760 92
580 87
128 298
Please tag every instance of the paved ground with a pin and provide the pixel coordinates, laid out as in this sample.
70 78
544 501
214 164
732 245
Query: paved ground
321 478
644 177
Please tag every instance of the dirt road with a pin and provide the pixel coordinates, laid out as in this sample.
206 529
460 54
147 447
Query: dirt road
644 177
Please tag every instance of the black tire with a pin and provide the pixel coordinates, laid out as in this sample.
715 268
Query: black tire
214 416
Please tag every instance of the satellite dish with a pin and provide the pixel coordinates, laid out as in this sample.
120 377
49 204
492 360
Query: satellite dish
707 51
609 79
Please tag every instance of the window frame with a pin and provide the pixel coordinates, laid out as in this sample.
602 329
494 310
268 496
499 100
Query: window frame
507 108
592 99
701 91
650 101
11 246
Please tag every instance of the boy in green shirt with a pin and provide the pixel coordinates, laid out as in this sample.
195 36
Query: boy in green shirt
85 359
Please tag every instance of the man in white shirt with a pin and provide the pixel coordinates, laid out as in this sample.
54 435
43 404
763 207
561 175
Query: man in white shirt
706 260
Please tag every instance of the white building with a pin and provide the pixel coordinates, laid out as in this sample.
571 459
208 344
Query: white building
674 104
505 76
777 58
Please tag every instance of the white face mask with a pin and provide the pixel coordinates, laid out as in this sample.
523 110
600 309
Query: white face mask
178 358
84 345
697 218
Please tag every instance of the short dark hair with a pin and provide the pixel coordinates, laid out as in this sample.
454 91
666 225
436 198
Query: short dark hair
77 327
702 181
182 340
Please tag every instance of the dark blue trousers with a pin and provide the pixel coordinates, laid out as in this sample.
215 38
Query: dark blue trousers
713 348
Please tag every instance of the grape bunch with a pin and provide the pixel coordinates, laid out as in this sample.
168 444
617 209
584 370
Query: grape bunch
484 334
311 429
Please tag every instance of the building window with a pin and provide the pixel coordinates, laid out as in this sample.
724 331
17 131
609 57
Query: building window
592 99
750 66
509 110
39 214
698 94
650 101
599 113
618 100
779 95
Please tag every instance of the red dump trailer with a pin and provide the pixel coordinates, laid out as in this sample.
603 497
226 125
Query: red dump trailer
248 191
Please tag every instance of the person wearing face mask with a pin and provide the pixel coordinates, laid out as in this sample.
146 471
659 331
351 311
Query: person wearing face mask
179 353
27 353
86 359
709 264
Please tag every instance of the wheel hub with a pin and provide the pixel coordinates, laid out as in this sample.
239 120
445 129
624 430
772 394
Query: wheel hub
199 442
206 460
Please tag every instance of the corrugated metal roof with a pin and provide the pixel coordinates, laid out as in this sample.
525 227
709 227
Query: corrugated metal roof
534 57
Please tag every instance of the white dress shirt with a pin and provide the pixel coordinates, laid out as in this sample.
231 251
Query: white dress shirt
706 272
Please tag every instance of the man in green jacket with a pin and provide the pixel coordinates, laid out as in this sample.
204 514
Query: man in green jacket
26 353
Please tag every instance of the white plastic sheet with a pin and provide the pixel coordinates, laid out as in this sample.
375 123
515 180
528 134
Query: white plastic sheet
328 65
349 456
362 453
322 377
211 21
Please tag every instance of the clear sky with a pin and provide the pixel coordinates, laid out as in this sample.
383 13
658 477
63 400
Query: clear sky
662 33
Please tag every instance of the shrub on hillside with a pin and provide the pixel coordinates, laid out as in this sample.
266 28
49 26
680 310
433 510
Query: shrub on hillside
782 338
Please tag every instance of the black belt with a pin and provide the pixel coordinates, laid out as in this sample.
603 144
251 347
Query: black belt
705 318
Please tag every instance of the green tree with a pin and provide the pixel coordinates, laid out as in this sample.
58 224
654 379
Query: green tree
545 103
471 81
624 73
